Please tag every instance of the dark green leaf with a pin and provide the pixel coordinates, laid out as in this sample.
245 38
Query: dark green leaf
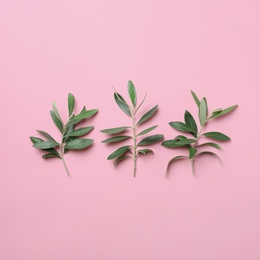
195 98
71 102
80 131
50 138
55 110
210 144
116 130
121 158
224 112
147 115
150 140
189 120
116 139
83 115
147 130
217 136
181 127
45 145
120 151
78 144
56 121
50 155
132 92
144 151
175 144
173 160
35 140
203 112
207 153
192 152
122 104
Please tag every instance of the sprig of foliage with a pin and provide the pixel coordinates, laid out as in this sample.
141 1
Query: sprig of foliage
190 126
69 134
136 149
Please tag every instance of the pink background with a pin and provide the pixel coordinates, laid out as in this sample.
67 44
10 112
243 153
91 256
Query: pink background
51 47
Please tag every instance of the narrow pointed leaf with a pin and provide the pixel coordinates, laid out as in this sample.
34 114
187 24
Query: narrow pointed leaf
116 139
50 155
121 158
217 110
115 130
35 140
210 144
195 98
140 103
203 112
175 144
189 120
181 127
150 140
55 110
120 151
71 102
122 104
147 115
147 130
80 131
50 138
174 160
56 121
83 115
132 92
224 111
144 151
207 153
192 152
45 145
78 144
217 136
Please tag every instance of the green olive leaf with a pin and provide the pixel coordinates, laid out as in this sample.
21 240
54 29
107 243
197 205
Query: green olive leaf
146 131
120 151
45 145
83 115
80 131
78 144
50 155
195 98
203 112
132 92
189 120
176 144
144 151
115 130
55 110
71 102
150 140
56 121
192 152
224 112
181 127
49 137
217 136
116 139
147 115
122 104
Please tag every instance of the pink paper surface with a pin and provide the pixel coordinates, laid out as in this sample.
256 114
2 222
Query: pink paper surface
49 48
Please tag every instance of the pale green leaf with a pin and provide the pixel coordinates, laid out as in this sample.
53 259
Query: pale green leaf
116 139
115 130
147 115
71 102
132 92
147 130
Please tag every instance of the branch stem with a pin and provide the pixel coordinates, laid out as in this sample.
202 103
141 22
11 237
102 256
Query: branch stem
134 137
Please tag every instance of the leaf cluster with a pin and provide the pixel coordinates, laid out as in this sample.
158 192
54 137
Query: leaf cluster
189 126
71 136
118 134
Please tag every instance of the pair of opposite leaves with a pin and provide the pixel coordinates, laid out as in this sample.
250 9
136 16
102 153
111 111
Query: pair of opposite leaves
71 136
